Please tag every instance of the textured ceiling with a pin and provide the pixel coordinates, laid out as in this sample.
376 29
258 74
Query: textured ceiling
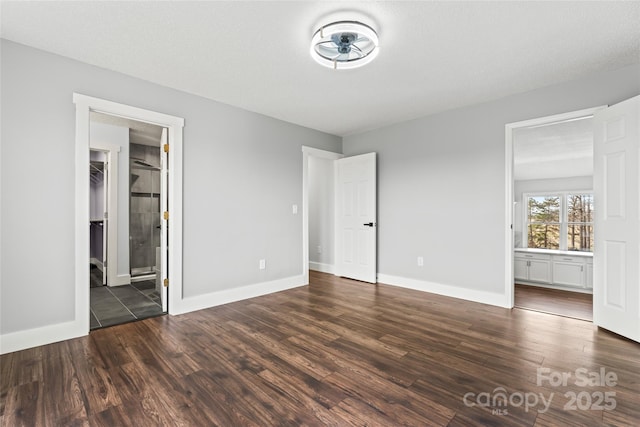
558 150
434 56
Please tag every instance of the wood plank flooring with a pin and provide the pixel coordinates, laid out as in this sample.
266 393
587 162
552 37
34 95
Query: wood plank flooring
336 352
554 301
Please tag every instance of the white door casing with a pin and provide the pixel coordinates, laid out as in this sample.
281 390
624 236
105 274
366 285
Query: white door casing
164 207
616 287
356 218
105 221
85 105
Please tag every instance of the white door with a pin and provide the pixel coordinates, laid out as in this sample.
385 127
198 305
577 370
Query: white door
616 287
164 222
356 217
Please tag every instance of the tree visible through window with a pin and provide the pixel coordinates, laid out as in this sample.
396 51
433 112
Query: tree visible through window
544 222
580 222
560 221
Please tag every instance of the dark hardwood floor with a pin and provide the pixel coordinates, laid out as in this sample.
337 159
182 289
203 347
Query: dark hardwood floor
554 301
336 352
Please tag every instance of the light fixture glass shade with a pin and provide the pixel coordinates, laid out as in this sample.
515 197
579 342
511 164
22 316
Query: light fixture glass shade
343 45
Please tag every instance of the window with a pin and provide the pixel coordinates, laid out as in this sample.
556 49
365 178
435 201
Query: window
543 224
580 222
561 221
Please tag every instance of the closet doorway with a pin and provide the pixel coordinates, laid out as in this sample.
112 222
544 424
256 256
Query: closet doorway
98 206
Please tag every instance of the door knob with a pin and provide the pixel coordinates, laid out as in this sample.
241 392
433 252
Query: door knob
369 224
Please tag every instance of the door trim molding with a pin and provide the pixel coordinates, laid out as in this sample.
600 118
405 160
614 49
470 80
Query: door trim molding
306 153
85 105
509 188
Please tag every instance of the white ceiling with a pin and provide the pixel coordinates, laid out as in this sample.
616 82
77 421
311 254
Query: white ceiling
434 56
557 150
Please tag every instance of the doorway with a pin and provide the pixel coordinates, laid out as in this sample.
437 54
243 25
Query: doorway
133 290
318 232
98 176
170 260
339 214
549 163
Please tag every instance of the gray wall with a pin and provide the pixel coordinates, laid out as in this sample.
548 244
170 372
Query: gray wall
441 181
242 173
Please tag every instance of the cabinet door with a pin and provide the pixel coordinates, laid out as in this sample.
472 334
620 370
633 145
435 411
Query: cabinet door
568 273
588 283
540 270
520 269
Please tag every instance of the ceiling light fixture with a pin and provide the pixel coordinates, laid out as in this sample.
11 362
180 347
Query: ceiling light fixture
345 44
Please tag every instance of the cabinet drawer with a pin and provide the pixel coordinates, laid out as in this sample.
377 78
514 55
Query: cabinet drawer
524 255
569 258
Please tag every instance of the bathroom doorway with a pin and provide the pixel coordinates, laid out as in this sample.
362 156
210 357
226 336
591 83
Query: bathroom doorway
130 205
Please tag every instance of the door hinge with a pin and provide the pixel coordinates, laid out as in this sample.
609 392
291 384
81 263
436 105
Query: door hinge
165 147
166 215
166 282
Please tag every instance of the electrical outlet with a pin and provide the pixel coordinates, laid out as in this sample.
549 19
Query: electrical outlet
319 249
263 264
294 209
420 261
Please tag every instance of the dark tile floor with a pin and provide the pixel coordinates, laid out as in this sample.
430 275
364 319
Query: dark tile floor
113 305
95 276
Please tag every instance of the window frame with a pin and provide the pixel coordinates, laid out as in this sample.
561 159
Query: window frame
563 216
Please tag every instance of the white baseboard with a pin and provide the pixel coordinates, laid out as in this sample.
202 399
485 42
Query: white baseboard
41 336
483 297
143 278
320 266
120 280
226 296
63 331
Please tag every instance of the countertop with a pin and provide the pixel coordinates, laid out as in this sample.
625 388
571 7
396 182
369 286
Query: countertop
554 252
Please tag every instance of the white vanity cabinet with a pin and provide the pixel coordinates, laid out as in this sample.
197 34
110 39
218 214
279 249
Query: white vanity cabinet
532 267
589 271
569 271
560 269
